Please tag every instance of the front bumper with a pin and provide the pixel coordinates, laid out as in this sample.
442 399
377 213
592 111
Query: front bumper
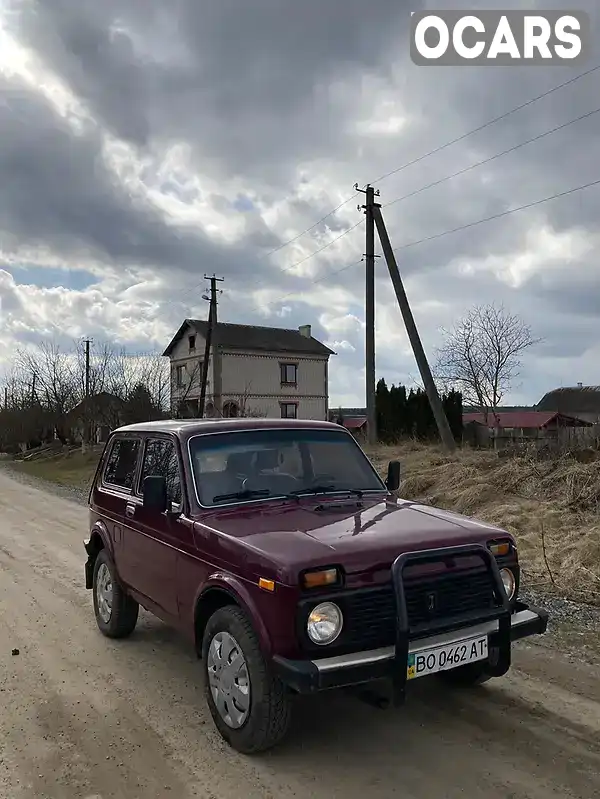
309 676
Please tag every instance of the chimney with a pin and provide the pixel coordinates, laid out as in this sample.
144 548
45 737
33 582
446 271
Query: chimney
305 330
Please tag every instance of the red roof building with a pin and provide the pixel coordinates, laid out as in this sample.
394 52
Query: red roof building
524 420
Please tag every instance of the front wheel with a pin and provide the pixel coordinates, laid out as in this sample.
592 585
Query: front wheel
465 676
116 613
251 707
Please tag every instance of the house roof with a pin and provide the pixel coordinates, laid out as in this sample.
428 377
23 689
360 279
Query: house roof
518 419
97 402
502 409
356 423
571 399
251 337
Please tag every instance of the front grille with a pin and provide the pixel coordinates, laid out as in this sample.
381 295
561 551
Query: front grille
370 614
435 599
370 618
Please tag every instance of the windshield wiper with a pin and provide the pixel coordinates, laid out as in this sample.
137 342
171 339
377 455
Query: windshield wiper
326 489
247 494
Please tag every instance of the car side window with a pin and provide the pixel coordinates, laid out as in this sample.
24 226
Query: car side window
122 463
160 459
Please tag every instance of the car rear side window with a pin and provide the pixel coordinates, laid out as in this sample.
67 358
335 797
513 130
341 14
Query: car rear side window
160 459
122 463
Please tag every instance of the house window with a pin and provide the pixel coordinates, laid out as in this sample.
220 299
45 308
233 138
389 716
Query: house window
230 410
192 342
180 375
289 374
289 410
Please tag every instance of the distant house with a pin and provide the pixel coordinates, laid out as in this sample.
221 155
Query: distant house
506 426
102 411
252 371
582 402
353 419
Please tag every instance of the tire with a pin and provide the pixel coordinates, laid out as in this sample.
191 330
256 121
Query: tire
466 676
260 718
116 613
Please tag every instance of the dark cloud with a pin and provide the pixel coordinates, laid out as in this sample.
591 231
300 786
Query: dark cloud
252 83
59 194
267 96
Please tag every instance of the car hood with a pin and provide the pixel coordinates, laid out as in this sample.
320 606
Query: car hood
296 536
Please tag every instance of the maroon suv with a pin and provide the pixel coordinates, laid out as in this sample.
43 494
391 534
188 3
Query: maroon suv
276 547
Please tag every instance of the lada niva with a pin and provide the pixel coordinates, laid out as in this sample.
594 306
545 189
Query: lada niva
293 567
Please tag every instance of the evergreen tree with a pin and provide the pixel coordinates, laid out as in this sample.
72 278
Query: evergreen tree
401 414
383 410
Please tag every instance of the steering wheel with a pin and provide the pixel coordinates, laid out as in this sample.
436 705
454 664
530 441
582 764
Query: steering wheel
261 481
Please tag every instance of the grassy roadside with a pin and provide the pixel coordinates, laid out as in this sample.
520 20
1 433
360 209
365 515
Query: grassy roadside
72 468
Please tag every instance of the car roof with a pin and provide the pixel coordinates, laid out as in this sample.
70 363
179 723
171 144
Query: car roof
189 427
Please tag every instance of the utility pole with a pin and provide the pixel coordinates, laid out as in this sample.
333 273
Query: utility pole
370 312
33 388
5 397
211 342
413 335
86 411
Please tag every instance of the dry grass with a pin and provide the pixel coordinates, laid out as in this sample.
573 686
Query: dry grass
68 467
552 507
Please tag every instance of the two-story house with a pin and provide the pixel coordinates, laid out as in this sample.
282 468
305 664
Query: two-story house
252 371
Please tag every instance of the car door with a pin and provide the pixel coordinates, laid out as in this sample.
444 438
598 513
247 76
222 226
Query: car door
114 490
151 539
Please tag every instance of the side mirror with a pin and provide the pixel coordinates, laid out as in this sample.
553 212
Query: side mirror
392 482
155 493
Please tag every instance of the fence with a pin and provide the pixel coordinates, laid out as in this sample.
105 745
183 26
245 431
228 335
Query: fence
561 438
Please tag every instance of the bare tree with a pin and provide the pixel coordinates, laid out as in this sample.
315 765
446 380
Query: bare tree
23 419
127 372
182 392
481 355
56 382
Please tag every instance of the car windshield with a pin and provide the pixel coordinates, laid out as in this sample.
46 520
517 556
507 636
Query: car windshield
257 464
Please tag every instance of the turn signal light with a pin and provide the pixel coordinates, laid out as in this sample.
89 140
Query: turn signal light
321 578
266 585
499 549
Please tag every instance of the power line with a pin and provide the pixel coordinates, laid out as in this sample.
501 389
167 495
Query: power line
312 227
423 157
187 292
493 157
487 124
497 216
311 283
438 149
444 233
324 247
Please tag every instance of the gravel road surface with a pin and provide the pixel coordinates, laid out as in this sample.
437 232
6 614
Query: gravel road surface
85 718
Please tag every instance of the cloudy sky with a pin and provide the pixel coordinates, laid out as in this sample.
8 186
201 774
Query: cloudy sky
144 143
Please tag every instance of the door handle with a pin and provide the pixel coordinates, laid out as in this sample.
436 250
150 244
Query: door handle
129 509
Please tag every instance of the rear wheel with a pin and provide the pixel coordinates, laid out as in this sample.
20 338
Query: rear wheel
250 707
116 613
464 676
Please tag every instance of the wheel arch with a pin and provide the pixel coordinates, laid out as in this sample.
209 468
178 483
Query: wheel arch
222 592
99 539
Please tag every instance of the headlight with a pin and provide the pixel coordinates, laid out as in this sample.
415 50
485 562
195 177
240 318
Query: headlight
509 582
324 623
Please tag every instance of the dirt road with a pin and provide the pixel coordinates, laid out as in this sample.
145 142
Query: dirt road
85 718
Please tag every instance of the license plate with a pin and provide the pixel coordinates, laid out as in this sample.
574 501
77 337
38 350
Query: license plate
442 658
